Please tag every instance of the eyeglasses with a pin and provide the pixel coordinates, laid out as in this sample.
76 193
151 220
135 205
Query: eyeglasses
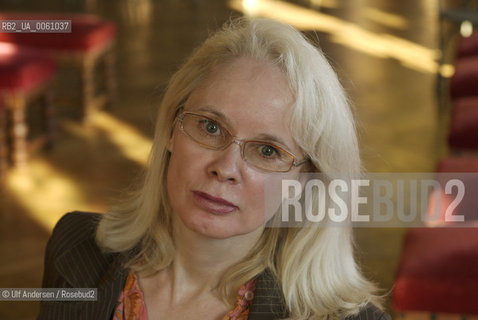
211 134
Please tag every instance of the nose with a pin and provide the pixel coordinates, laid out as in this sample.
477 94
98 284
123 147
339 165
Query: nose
227 164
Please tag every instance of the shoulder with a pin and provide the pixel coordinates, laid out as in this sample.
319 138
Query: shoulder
72 229
74 260
369 312
77 220
72 250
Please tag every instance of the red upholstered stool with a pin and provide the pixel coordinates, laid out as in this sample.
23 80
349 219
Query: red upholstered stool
465 80
464 123
468 46
465 169
90 43
438 272
3 144
458 164
25 75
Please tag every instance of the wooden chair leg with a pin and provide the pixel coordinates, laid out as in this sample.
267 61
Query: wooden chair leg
88 88
49 117
3 146
110 77
18 130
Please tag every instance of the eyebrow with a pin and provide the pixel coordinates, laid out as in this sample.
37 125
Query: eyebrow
218 114
277 140
262 136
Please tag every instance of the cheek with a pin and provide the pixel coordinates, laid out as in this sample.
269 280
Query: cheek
177 170
279 188
181 157
173 182
186 167
255 200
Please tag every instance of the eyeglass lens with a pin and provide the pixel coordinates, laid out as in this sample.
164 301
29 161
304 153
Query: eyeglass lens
211 134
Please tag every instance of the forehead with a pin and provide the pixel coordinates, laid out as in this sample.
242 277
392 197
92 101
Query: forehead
254 96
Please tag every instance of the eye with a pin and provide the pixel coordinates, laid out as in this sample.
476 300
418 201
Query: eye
268 151
210 127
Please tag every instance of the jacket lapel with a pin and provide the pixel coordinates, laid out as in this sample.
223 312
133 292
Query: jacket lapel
85 266
268 303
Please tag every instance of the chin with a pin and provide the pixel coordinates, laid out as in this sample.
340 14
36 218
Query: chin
219 229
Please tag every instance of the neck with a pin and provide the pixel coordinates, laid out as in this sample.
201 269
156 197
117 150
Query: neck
200 261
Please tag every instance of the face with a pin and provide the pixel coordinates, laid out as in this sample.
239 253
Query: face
215 192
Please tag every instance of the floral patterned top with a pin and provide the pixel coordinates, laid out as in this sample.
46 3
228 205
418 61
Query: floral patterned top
131 304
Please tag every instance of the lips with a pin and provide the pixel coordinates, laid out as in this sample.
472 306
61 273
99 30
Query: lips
213 204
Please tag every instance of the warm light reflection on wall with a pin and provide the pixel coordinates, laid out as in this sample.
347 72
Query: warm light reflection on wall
382 45
385 18
45 192
137 12
48 193
132 144
330 4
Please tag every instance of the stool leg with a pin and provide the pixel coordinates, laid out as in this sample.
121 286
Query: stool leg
88 88
49 118
3 146
110 76
18 131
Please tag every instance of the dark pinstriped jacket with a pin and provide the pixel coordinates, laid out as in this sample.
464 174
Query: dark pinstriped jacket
73 260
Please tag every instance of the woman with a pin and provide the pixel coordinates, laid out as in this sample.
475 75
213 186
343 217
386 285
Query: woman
254 99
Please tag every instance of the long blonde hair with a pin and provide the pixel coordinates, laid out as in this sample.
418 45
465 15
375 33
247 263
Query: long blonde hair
315 266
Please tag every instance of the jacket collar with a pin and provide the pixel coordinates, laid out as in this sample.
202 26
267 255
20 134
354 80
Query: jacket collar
85 266
268 303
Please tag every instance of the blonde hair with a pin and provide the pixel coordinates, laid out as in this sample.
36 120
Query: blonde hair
315 266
